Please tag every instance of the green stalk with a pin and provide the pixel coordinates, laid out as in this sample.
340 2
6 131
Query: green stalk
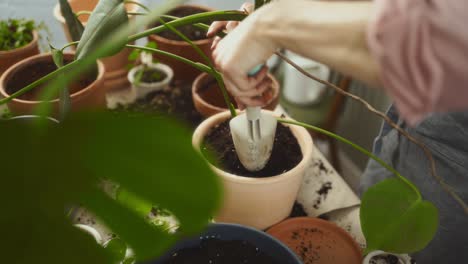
138 4
258 3
192 19
83 12
216 74
74 43
197 65
356 147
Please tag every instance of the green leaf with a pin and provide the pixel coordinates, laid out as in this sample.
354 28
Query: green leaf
395 219
108 16
133 202
117 249
57 56
73 23
65 99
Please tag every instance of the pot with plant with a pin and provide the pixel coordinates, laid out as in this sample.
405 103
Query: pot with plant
208 97
149 76
116 65
85 93
172 43
18 40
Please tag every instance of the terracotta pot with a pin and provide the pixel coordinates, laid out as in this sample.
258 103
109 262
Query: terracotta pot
88 97
10 57
208 98
258 202
317 241
116 65
183 71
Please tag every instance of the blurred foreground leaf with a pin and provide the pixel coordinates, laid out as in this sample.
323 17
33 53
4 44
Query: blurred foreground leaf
44 171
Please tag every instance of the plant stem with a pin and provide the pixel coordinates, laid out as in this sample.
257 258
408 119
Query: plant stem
137 14
138 4
258 3
74 43
199 66
356 147
192 19
83 12
217 75
42 80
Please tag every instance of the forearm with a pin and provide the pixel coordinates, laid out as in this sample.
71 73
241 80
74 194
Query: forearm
333 33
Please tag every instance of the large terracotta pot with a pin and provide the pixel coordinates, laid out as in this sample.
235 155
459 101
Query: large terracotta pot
10 57
116 65
317 241
89 97
208 98
258 202
183 71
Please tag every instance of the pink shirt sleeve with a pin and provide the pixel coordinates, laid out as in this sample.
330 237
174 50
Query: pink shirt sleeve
422 49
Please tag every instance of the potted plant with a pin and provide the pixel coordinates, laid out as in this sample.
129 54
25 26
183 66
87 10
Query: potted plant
259 199
87 92
381 257
149 76
172 43
208 97
18 40
116 65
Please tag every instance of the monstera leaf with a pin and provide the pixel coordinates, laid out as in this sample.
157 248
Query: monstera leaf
395 218
108 16
45 169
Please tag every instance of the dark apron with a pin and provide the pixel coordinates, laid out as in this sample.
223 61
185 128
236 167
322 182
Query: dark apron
447 137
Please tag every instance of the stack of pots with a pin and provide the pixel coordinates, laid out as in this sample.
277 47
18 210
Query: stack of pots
116 66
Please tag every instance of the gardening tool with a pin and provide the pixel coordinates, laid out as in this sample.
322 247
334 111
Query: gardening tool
253 134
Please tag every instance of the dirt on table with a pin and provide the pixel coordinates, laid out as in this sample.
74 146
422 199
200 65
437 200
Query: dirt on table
216 251
34 72
298 210
175 101
192 32
286 153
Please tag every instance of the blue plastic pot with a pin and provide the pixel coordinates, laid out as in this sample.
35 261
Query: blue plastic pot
266 243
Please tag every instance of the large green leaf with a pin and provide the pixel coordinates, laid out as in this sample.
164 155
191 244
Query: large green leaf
394 218
45 171
108 16
73 23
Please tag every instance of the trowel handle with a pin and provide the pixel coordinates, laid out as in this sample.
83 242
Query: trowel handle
253 113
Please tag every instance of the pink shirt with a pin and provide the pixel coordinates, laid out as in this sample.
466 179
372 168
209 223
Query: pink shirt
422 49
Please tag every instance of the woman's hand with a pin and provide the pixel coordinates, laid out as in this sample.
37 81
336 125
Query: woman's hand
238 53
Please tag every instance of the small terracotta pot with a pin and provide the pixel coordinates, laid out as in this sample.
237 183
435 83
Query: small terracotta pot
10 57
208 98
317 241
116 65
183 71
88 97
258 202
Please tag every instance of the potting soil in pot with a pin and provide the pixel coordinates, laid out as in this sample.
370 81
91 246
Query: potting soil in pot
192 32
34 72
286 152
216 251
152 75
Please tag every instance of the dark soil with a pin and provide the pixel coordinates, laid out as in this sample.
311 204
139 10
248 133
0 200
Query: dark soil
388 259
33 72
307 251
151 75
176 102
298 210
216 251
286 153
322 192
192 32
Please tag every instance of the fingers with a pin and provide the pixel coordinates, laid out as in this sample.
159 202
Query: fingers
247 7
216 27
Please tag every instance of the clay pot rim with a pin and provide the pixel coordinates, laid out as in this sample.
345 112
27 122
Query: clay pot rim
317 223
45 57
159 66
58 13
197 85
298 132
30 45
181 42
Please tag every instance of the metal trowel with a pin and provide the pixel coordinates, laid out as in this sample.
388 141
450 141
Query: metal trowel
253 134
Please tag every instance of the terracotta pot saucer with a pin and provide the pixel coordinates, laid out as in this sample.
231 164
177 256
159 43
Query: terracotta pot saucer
317 241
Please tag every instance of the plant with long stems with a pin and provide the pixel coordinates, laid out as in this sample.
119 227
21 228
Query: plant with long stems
401 196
